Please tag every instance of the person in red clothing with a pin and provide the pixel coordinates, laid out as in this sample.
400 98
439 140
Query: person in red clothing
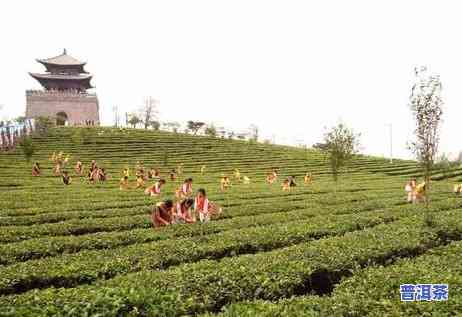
183 211
162 214
36 169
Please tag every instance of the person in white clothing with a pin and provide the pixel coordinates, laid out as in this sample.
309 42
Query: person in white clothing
410 190
155 189
204 207
185 190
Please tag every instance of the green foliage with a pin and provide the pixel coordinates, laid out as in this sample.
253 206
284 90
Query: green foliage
155 125
20 119
82 136
210 285
268 245
211 131
31 245
82 268
43 125
429 220
165 158
341 143
366 293
26 144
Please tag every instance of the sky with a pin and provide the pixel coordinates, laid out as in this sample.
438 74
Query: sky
292 68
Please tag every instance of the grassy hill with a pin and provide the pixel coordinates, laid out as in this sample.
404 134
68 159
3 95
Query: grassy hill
324 249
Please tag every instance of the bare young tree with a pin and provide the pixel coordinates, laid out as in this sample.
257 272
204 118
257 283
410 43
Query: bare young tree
426 105
134 120
341 143
253 132
231 134
115 111
221 131
149 111
175 126
171 126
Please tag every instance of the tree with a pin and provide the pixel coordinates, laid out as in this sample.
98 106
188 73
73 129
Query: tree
155 125
172 126
253 132
320 146
241 136
149 111
115 111
43 125
221 131
426 107
175 126
459 157
231 134
134 120
210 130
20 119
195 126
341 144
27 147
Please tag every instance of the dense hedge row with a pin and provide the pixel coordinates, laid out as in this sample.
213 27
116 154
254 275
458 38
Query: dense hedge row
88 266
375 291
52 246
210 285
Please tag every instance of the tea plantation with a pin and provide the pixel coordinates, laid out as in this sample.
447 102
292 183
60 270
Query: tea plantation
323 249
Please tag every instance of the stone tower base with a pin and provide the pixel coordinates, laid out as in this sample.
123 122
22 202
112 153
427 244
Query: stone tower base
67 108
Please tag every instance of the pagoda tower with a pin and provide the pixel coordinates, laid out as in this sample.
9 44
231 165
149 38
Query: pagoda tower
64 96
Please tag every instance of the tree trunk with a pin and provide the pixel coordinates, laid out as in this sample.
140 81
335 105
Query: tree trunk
427 186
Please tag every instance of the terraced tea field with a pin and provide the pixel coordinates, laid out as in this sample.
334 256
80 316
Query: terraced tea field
320 250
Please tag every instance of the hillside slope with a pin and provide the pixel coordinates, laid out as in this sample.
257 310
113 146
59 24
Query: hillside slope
97 242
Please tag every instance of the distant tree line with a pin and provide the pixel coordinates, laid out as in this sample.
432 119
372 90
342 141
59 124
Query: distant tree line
147 117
